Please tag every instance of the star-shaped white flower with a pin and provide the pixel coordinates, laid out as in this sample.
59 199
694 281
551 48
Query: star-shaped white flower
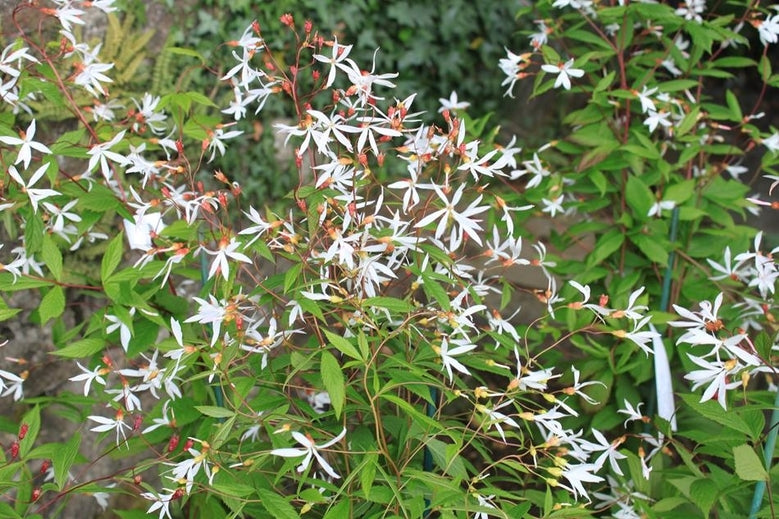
564 72
310 450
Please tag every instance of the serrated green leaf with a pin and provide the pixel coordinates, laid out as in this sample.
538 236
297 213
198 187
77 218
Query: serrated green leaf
52 305
338 510
112 256
52 257
704 493
276 505
639 197
333 380
733 104
81 349
343 345
368 473
32 419
33 234
214 411
748 465
292 276
651 248
184 51
390 303
63 458
7 313
435 291
606 245
715 412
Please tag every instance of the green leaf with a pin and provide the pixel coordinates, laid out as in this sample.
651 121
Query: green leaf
735 108
100 199
32 419
183 51
343 345
69 144
638 197
63 458
704 493
277 506
215 411
680 192
292 276
81 349
651 247
52 304
338 510
714 411
368 473
435 291
52 257
748 465
688 122
447 457
390 303
333 380
765 68
607 244
112 256
7 313
33 234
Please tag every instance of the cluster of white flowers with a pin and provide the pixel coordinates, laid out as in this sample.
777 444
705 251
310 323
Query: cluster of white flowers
352 239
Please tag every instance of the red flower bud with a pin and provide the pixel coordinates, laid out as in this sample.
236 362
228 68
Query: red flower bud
23 431
35 495
188 445
45 466
287 20
173 443
308 26
14 450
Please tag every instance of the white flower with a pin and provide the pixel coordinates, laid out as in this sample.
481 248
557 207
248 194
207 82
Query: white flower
634 413
659 206
227 250
15 387
310 450
161 503
27 145
339 54
96 375
564 72
453 103
140 231
578 474
447 355
35 194
101 153
106 424
657 118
